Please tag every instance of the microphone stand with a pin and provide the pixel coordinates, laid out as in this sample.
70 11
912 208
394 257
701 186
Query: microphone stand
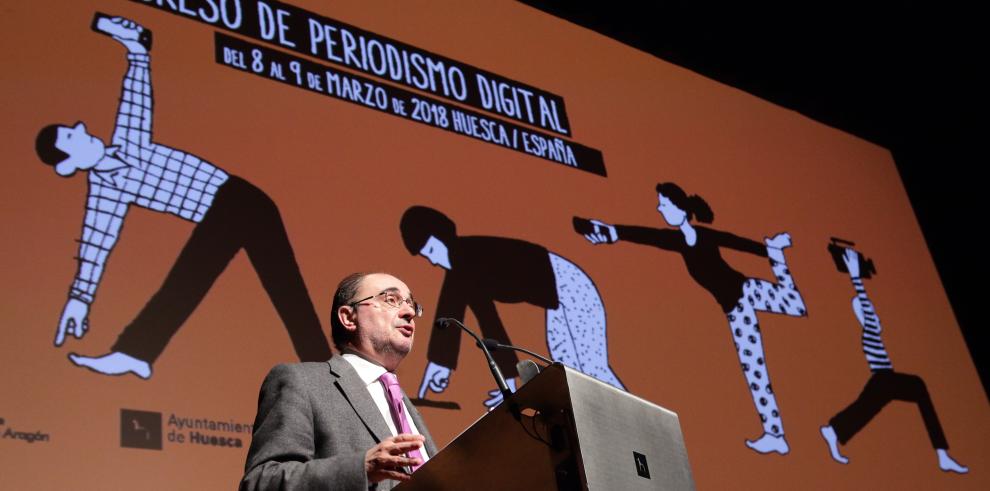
499 378
493 345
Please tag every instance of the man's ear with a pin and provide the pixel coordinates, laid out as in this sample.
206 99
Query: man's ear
347 316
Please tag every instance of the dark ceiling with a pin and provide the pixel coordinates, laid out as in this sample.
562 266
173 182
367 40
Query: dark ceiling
900 74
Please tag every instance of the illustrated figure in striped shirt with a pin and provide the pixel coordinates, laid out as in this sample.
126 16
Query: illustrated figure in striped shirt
230 214
883 386
739 297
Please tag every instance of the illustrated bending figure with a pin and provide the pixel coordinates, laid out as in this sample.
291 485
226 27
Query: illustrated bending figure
483 270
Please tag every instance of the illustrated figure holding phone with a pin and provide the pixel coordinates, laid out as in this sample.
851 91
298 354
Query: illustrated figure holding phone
738 296
230 214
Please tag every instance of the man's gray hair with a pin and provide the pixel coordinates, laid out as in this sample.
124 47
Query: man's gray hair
346 290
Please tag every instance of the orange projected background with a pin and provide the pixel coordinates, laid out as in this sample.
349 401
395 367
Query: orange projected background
343 172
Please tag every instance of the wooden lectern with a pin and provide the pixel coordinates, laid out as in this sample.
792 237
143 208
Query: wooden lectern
564 431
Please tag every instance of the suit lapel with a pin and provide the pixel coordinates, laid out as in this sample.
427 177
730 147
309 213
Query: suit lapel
350 385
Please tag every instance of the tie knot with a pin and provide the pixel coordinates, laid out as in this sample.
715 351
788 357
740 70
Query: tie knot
389 379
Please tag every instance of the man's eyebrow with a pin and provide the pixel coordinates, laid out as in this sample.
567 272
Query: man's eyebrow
396 290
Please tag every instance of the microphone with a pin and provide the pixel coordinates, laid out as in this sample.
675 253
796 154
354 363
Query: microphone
443 322
493 345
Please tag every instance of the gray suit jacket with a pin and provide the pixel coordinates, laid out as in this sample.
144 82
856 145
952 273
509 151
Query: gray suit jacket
315 422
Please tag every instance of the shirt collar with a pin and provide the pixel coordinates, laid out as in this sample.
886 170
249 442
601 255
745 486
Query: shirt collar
116 161
367 370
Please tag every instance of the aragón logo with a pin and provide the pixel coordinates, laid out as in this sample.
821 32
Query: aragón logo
24 436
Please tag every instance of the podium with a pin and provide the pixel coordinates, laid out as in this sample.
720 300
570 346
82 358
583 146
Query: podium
567 431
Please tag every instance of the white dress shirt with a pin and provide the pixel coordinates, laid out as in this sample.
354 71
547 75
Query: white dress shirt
369 373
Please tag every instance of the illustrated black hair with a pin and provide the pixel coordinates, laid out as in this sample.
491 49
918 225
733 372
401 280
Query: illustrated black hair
695 206
44 145
837 249
420 222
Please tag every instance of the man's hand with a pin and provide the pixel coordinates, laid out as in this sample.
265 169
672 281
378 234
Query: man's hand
74 321
604 233
124 31
435 378
387 459
851 258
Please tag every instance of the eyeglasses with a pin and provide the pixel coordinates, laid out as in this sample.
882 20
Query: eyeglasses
394 300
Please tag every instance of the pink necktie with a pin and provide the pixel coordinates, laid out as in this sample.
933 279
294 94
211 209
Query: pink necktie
394 393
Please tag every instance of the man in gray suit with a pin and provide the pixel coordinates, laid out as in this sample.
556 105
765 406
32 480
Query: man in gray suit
330 425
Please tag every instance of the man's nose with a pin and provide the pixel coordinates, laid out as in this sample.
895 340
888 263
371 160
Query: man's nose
406 311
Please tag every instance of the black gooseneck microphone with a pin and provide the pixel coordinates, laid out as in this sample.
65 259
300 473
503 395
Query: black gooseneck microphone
494 345
443 322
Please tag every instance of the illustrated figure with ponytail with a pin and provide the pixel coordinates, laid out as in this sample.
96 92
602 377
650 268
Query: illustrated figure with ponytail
738 296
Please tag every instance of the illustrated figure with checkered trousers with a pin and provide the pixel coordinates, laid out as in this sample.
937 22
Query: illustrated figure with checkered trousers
229 214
